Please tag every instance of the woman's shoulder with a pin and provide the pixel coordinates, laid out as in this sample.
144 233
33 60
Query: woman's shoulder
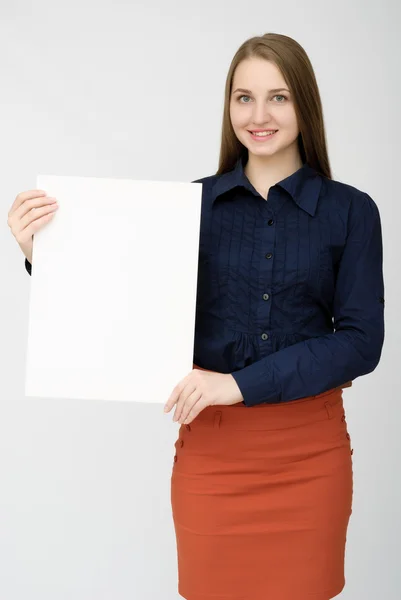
347 195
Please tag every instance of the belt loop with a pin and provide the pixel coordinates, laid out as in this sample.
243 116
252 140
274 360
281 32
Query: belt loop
217 419
329 409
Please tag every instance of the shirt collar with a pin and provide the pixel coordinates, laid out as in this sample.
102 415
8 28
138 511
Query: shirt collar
303 185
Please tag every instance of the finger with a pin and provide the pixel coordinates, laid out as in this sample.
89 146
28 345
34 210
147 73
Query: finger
188 389
29 195
23 215
175 394
187 399
195 410
38 224
40 203
28 216
23 229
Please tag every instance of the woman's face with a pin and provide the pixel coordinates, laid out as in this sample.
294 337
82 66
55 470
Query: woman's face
262 106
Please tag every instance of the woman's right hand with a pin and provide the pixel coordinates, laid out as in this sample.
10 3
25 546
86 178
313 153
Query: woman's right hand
29 212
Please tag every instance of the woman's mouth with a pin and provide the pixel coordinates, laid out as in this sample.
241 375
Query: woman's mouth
263 136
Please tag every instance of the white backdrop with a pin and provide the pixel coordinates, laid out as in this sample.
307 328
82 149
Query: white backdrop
135 90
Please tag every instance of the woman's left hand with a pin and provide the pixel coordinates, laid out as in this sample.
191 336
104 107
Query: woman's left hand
199 389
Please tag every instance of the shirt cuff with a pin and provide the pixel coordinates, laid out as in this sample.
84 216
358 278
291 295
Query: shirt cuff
256 384
28 266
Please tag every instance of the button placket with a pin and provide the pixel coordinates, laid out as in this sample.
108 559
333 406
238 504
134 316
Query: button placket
264 309
179 444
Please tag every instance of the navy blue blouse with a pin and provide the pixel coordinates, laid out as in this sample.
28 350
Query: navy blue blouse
290 290
290 296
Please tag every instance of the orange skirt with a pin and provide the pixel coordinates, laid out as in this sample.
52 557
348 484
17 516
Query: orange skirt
261 499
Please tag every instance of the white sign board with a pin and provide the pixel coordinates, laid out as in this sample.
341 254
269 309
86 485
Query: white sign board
113 289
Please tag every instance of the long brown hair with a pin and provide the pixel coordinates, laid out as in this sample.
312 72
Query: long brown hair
298 73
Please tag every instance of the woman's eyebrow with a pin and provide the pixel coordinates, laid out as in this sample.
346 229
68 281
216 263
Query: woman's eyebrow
269 91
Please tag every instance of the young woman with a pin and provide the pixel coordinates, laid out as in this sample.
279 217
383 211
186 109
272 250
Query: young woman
290 309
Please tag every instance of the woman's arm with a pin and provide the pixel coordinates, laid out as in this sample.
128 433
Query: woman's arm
319 364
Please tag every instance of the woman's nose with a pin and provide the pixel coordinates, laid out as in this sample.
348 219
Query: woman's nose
261 115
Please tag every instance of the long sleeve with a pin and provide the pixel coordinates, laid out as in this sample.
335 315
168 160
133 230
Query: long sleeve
28 266
321 363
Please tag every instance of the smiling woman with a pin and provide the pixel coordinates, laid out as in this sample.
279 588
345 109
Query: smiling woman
289 312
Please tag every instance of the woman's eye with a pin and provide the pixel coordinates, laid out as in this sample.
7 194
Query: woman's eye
276 96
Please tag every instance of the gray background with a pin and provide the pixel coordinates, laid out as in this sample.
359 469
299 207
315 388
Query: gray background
117 89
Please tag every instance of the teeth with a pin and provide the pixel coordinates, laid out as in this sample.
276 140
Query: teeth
263 134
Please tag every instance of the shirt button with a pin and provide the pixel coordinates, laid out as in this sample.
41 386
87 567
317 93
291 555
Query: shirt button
270 222
264 336
269 255
266 296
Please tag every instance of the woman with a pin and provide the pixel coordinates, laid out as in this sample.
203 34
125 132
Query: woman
290 309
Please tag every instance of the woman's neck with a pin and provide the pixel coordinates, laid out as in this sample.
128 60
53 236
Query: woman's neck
264 172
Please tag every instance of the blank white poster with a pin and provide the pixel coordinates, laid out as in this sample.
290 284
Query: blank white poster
113 289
